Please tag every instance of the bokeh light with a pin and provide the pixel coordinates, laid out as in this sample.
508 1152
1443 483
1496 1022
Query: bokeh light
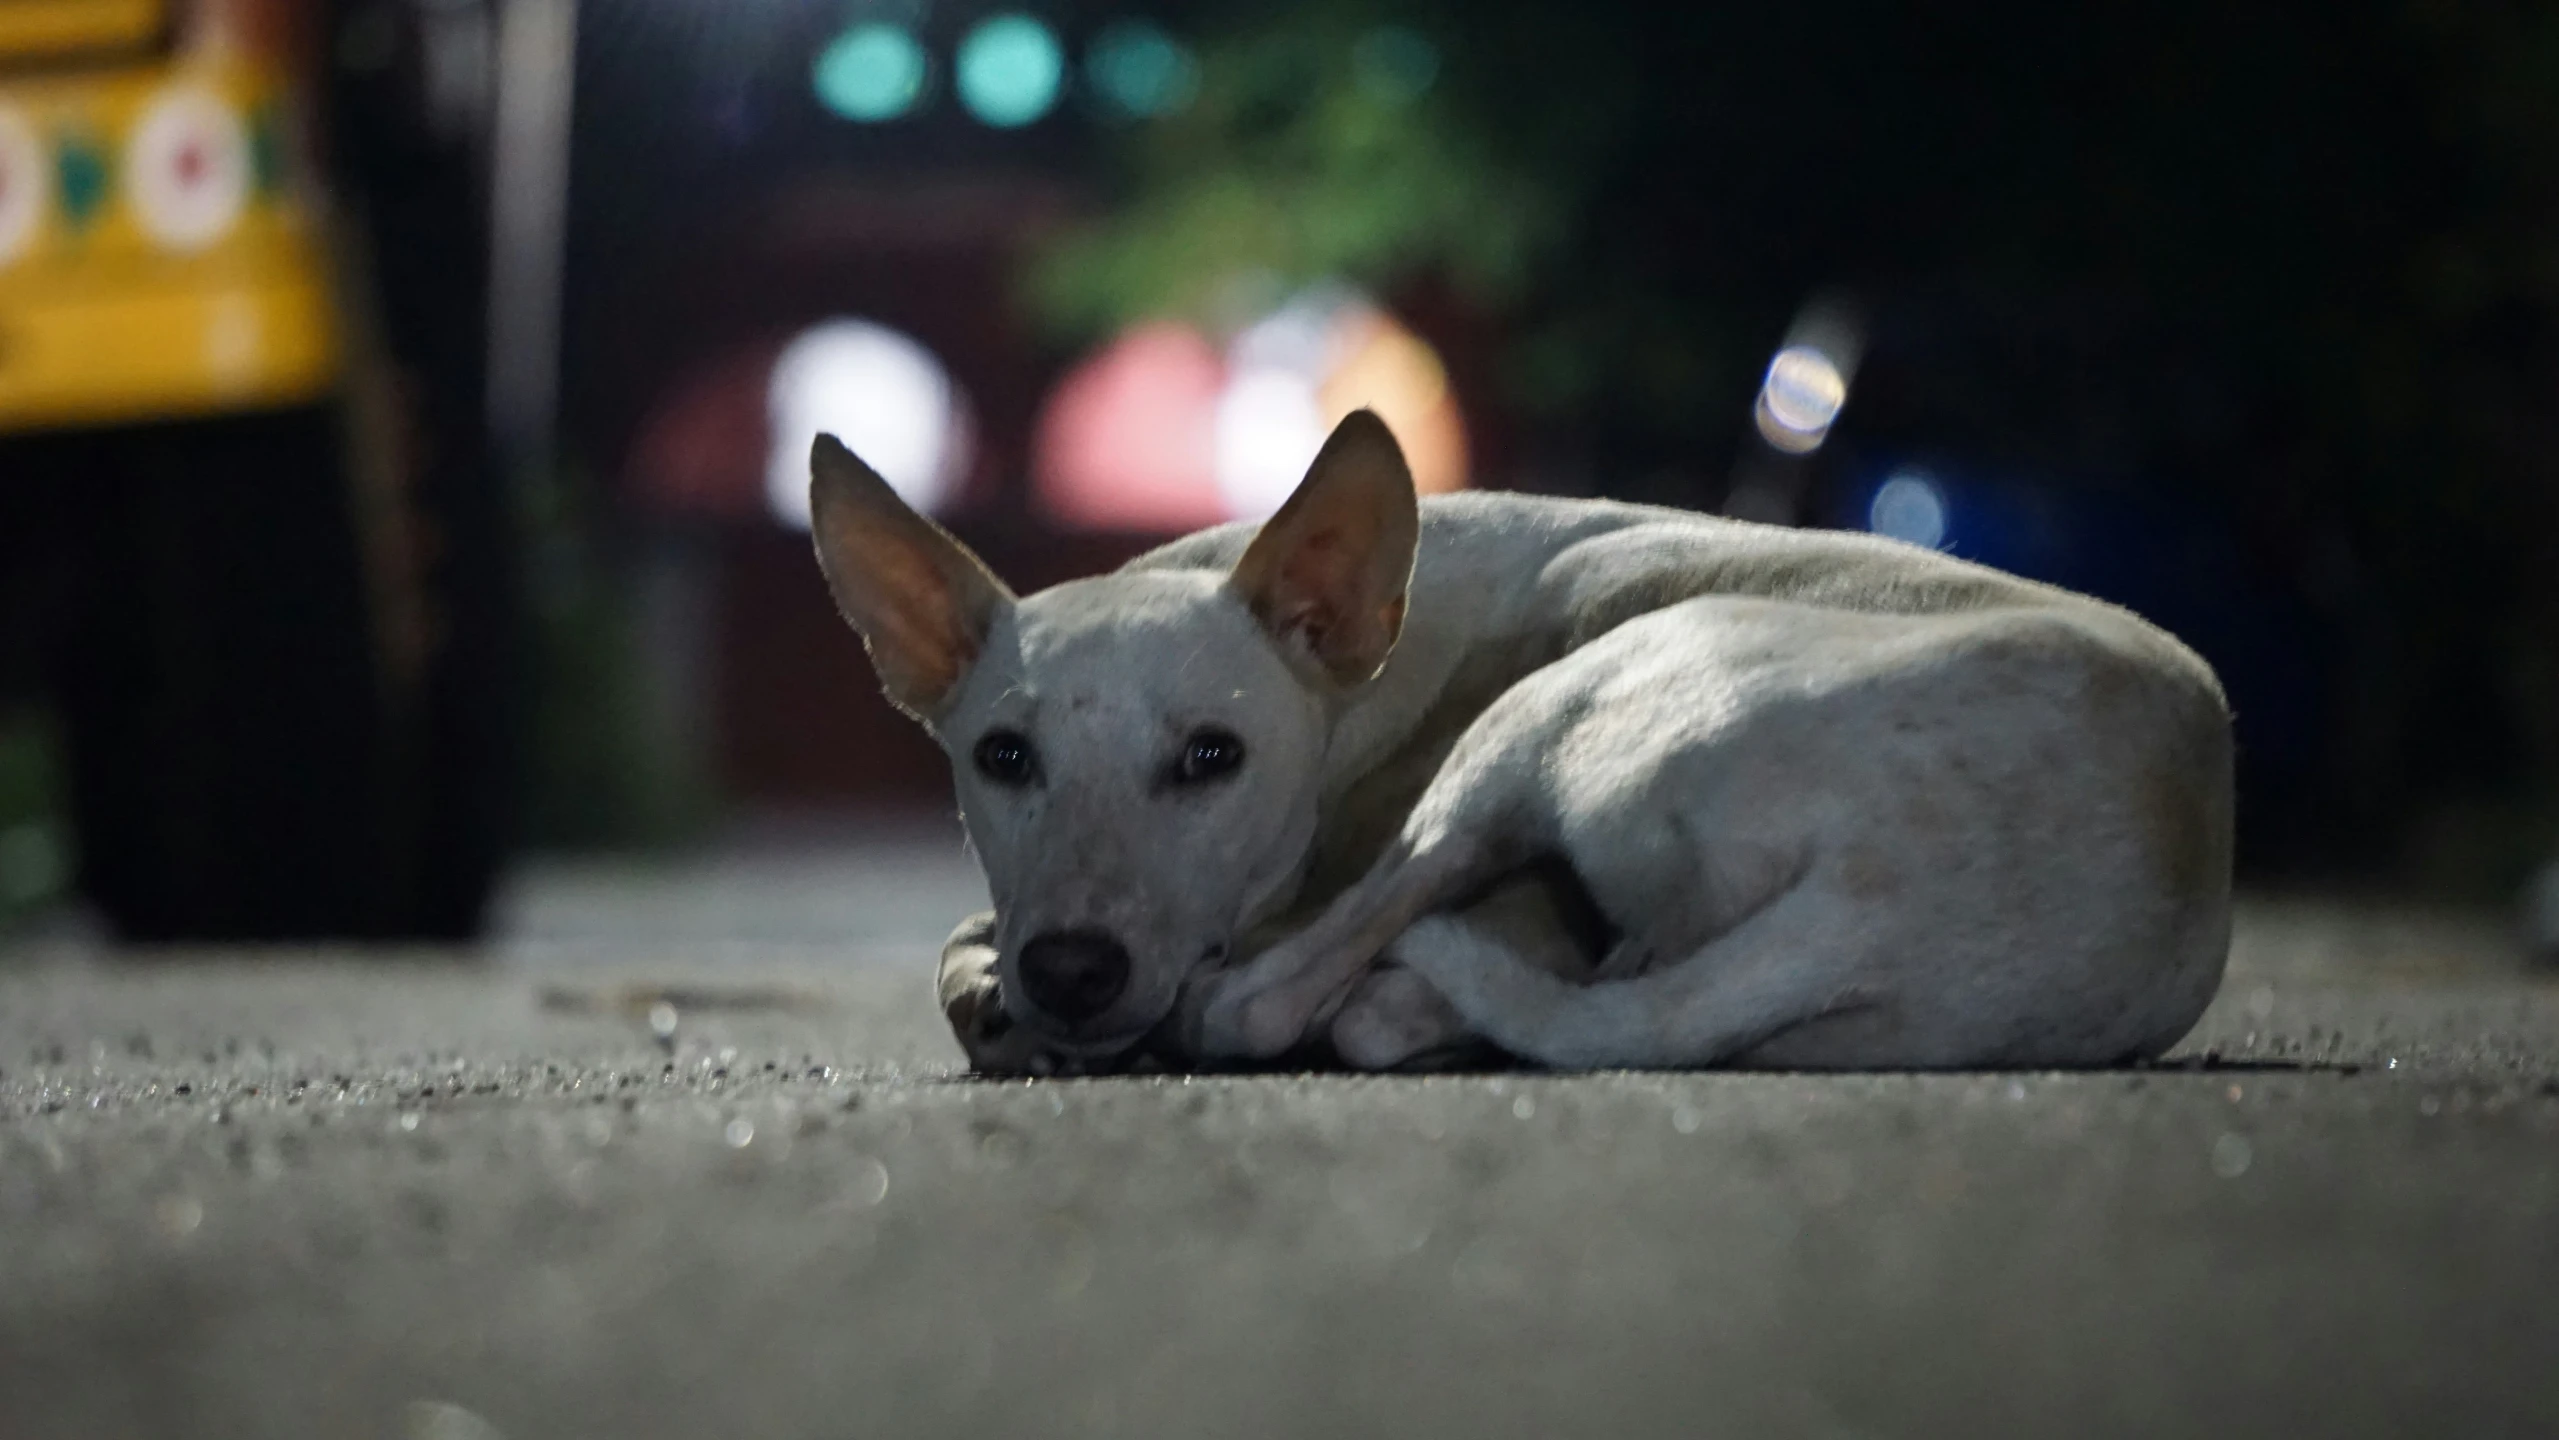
1140 71
1387 368
1395 63
1298 371
880 392
872 72
1008 70
1909 506
1161 432
1270 423
1800 400
1126 441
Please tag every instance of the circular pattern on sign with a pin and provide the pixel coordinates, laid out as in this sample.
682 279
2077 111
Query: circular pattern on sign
187 169
23 185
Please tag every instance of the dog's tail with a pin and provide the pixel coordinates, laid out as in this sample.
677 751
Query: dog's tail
1738 990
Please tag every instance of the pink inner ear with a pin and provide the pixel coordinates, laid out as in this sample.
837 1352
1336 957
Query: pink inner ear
1315 573
1315 583
1306 618
917 629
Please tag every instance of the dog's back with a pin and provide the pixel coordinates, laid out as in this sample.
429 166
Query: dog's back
1850 802
1505 584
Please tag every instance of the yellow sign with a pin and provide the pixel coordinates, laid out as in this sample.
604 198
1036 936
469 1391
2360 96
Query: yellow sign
38 29
153 259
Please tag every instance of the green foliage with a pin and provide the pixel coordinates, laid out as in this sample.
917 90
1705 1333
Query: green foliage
606 770
2335 220
1315 151
35 835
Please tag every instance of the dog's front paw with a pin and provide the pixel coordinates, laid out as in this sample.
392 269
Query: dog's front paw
993 1043
972 996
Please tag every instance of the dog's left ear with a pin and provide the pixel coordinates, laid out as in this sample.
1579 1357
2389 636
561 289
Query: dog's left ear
922 602
1327 575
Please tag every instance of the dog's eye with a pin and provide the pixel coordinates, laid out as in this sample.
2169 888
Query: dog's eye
1006 757
1207 755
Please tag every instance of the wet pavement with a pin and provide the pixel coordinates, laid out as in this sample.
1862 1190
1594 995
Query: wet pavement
686 1153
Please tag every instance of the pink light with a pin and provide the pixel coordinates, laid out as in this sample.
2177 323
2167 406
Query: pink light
1128 439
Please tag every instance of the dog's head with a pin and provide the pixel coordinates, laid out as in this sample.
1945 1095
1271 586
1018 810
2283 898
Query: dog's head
1138 756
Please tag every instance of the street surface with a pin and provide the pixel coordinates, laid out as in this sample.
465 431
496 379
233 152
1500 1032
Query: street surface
449 1196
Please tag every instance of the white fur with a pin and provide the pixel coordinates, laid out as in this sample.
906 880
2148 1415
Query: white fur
1847 803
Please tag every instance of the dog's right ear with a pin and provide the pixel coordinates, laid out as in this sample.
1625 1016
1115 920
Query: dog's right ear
1327 575
922 603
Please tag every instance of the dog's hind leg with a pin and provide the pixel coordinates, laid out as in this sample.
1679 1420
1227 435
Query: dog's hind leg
1775 971
1263 1008
1471 826
1394 1020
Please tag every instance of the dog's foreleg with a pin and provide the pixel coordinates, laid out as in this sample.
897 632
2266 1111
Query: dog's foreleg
973 999
1467 829
1394 1020
1264 1007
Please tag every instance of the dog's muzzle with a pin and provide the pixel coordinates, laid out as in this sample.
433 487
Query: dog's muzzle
1074 976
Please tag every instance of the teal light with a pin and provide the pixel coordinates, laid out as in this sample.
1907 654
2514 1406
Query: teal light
1140 71
1008 70
870 73
1395 64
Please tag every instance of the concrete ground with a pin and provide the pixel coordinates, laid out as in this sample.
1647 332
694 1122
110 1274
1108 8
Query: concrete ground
430 1195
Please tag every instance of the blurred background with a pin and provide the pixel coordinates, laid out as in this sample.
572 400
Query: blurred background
404 403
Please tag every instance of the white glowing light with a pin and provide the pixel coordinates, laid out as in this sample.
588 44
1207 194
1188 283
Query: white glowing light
1270 418
187 169
1161 430
24 184
1803 395
1909 506
883 395
1270 423
1303 336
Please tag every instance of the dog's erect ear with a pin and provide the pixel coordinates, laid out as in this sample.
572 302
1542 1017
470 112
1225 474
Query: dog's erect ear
1327 575
922 602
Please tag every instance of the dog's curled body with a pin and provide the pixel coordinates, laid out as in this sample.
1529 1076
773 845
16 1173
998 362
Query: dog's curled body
1840 801
1829 839
1850 804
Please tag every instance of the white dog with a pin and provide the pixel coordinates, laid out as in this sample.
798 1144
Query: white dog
1637 787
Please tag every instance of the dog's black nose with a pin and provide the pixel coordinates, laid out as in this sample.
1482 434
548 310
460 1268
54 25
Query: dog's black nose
1074 974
